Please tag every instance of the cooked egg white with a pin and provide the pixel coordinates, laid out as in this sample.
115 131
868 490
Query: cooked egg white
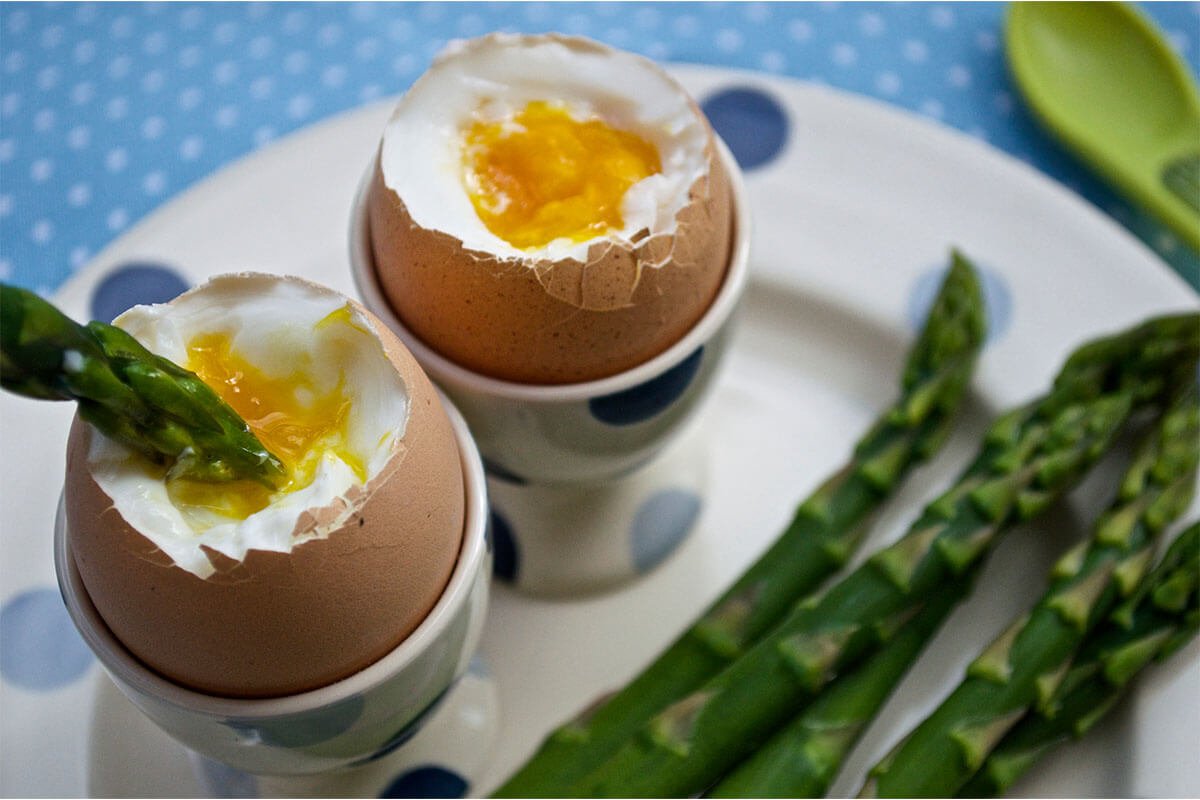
601 142
239 591
547 209
305 370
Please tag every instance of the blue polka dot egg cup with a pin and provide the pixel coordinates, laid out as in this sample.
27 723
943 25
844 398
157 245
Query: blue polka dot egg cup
346 726
574 468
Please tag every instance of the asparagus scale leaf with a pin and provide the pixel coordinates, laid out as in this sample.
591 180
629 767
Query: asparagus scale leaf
1147 628
142 400
1028 458
1024 666
803 758
823 534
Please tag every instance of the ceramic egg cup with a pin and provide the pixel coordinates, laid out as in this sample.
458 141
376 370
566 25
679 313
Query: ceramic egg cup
591 483
335 737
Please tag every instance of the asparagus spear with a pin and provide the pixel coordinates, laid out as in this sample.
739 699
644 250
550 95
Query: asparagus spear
1028 458
802 759
824 532
1023 666
1147 628
131 395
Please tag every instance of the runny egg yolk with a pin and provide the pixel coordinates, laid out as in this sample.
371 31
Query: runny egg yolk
542 175
288 415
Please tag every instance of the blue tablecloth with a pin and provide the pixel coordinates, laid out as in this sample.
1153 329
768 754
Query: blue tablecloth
108 110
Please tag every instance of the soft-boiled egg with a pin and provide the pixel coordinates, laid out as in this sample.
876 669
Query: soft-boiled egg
546 209
239 590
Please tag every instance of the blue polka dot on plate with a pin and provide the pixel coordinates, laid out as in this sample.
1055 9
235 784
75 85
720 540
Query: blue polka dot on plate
406 731
41 649
133 284
502 473
303 730
661 524
427 781
646 400
506 561
996 296
225 781
751 122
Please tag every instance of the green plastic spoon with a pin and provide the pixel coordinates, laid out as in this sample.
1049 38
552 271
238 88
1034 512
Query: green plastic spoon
1104 80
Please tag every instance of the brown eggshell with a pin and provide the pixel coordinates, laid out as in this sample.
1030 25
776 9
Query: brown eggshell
279 623
554 322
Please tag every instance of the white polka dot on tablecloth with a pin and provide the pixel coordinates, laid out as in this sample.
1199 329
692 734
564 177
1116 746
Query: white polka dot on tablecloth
368 49
260 47
41 170
843 54
872 24
79 195
83 92
329 35
48 77
155 183
84 52
296 62
190 98
941 16
153 127
153 81
685 26
225 72
42 231
191 148
44 119
728 40
121 27
116 159
225 33
226 117
119 67
117 108
300 106
190 56
334 76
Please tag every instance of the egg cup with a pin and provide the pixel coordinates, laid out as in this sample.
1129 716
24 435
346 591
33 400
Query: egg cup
351 723
571 466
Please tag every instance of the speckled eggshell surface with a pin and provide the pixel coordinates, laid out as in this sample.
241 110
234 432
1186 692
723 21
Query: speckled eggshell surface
277 623
541 320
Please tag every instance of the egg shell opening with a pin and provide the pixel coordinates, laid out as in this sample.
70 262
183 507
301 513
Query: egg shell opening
539 320
279 623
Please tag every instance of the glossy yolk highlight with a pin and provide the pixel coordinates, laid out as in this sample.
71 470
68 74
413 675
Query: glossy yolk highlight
287 414
542 175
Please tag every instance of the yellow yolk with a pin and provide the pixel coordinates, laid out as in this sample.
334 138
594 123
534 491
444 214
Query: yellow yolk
542 175
287 414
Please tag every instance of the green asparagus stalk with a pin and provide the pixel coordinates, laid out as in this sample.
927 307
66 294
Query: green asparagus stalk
804 758
1146 629
1028 458
824 532
1022 668
129 394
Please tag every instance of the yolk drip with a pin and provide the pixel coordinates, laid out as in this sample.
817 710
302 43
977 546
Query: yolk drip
542 175
287 414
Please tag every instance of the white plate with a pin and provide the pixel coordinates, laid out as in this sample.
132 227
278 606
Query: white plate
851 220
